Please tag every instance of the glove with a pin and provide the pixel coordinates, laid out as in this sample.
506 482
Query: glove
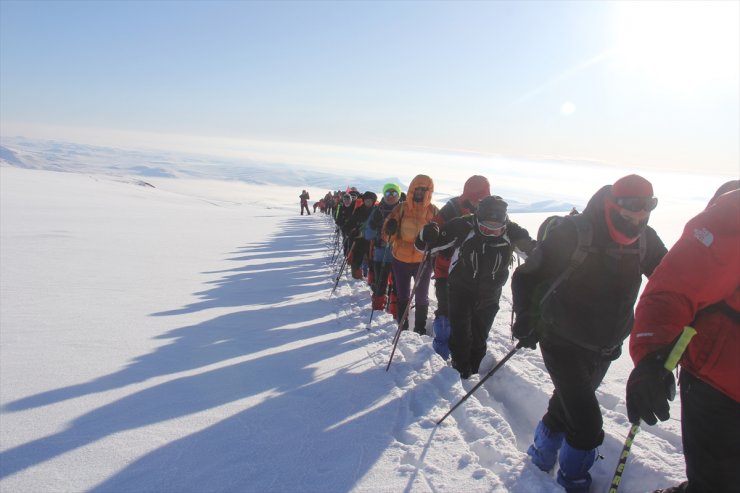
649 388
524 331
429 233
391 226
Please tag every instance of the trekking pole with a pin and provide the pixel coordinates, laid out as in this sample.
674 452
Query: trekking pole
670 364
337 243
488 375
402 320
341 269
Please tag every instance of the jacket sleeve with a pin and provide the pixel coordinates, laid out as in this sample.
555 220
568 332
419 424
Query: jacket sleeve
701 269
520 238
656 250
394 214
452 234
373 224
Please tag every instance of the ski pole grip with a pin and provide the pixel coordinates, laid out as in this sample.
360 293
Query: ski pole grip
678 349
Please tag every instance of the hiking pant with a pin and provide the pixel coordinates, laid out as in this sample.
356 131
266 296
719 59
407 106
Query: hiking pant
576 373
440 291
470 323
402 274
710 431
305 206
358 254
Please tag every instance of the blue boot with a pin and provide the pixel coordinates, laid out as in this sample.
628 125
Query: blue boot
544 450
574 465
441 336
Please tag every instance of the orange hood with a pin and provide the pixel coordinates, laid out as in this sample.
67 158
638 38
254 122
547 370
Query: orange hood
420 181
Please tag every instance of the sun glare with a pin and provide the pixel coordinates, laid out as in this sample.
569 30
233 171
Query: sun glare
680 45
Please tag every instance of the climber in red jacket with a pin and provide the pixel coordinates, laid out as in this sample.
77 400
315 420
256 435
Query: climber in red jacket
696 284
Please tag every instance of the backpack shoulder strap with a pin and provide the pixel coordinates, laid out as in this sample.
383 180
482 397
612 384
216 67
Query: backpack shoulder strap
583 248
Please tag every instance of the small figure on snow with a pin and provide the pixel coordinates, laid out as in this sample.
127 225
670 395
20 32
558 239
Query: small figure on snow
304 202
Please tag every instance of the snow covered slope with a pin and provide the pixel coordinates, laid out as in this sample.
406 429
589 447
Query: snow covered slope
181 337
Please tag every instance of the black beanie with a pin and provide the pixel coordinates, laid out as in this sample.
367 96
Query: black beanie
492 208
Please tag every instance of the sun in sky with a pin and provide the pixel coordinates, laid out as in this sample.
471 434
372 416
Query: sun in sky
679 45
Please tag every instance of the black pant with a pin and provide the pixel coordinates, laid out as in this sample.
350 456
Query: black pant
381 272
440 291
358 254
573 409
710 431
470 323
305 206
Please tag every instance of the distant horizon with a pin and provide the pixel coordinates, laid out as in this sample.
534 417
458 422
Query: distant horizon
527 184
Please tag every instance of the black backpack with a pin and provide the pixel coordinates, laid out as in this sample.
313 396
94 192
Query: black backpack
583 248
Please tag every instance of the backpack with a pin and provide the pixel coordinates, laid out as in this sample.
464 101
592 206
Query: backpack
583 247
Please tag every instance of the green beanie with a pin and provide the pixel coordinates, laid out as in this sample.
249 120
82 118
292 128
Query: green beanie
391 186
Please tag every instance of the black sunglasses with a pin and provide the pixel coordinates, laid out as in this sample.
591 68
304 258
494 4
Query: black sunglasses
637 204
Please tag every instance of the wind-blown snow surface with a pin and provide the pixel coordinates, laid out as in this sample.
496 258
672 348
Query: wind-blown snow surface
182 338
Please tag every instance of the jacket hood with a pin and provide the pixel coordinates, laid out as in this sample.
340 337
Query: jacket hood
475 189
595 207
420 181
595 211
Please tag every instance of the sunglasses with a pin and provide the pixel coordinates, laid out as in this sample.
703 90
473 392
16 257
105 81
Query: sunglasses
637 204
391 193
491 228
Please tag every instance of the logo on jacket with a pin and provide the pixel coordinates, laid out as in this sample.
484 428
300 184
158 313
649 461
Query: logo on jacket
704 235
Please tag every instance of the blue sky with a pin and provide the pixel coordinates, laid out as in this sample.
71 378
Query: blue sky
627 83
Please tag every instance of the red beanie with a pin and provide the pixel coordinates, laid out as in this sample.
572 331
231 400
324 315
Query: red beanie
632 186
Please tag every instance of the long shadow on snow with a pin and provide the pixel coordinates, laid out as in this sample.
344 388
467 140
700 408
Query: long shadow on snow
279 362
321 436
226 336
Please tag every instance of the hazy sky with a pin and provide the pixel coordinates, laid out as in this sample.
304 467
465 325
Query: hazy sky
627 83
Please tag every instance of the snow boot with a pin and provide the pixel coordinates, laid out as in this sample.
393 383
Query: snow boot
574 465
463 368
442 336
371 280
356 273
420 319
379 302
544 450
393 306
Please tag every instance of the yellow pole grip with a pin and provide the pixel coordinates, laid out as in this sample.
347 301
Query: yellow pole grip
678 349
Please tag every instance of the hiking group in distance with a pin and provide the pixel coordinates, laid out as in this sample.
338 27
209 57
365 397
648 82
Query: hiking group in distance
574 296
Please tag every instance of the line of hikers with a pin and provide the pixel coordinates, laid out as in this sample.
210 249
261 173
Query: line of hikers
574 295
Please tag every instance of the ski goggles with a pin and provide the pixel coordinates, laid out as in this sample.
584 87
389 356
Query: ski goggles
491 228
391 193
636 204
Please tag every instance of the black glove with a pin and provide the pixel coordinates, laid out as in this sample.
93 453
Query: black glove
391 226
649 388
429 233
524 331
